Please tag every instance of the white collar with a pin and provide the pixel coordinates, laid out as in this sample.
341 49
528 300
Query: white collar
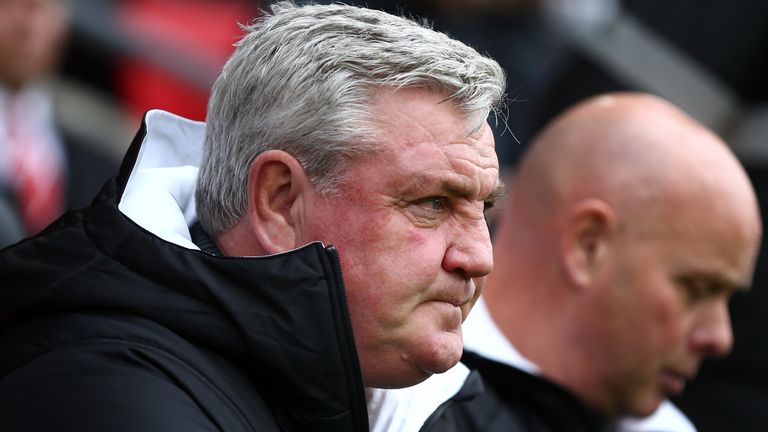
31 111
483 336
33 104
406 409
160 194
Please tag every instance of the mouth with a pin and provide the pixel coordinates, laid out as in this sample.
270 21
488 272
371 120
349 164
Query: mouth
451 304
455 298
463 297
455 303
673 383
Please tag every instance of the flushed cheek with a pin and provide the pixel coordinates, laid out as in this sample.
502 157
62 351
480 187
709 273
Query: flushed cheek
392 302
386 291
401 299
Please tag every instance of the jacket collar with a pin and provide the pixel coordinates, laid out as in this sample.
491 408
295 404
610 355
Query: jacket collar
282 316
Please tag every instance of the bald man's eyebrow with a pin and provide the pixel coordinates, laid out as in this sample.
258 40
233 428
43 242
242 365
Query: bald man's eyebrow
728 284
711 284
739 287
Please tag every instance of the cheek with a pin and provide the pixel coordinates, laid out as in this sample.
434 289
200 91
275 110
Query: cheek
666 320
389 269
397 260
670 311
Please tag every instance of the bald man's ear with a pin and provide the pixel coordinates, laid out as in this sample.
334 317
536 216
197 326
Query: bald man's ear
277 186
587 236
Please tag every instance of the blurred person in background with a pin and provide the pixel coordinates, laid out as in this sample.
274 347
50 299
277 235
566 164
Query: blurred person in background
627 228
42 170
708 58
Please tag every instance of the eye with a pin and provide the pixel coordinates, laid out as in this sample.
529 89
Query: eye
696 290
430 211
436 204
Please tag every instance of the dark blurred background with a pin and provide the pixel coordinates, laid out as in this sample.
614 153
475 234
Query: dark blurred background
118 58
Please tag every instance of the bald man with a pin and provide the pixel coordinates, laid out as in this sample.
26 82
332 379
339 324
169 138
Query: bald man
626 230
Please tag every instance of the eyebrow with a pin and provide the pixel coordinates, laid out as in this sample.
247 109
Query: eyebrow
732 284
738 287
497 193
720 282
460 189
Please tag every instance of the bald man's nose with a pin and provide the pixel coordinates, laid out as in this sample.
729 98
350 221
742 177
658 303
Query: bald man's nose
470 253
713 335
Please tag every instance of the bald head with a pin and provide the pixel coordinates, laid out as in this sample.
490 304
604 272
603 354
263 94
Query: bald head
627 228
633 151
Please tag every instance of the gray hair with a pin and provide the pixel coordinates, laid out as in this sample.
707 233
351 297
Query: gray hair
303 80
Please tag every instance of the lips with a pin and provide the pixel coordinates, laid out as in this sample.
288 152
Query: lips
462 296
457 303
673 383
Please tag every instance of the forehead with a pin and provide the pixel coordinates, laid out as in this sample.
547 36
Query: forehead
424 138
714 243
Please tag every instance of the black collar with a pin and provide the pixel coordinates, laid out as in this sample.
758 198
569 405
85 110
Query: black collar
203 240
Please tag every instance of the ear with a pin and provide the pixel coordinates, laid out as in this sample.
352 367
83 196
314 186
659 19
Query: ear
277 187
586 240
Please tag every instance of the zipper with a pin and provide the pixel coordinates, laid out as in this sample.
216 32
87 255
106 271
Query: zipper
355 388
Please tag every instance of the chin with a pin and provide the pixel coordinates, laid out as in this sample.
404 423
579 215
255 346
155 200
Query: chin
397 379
442 357
645 407
415 362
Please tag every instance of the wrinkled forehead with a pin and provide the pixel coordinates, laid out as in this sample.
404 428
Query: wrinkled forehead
418 121
464 165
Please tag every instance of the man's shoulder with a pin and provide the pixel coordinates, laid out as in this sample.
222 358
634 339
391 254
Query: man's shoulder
123 374
505 398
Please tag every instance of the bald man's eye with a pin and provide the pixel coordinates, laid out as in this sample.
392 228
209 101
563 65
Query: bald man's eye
697 290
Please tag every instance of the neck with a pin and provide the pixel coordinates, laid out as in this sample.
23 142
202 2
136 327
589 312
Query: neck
239 241
540 319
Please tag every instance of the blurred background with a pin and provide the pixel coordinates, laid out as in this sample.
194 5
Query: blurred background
77 75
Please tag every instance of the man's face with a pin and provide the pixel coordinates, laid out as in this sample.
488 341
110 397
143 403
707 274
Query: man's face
410 229
666 308
31 36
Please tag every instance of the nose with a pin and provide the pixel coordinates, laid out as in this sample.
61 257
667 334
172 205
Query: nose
470 253
712 335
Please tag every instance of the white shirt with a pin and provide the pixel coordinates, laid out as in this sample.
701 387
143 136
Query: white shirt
483 336
408 408
31 111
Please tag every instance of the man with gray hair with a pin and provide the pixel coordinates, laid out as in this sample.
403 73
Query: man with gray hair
331 245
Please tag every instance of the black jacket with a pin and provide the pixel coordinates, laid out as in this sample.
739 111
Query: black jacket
105 326
507 399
